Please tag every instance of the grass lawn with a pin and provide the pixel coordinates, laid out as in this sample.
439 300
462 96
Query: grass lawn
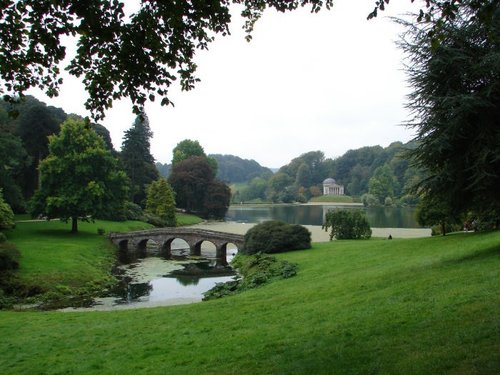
187 219
414 306
332 199
52 256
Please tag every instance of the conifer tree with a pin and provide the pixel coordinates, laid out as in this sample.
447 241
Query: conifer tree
137 160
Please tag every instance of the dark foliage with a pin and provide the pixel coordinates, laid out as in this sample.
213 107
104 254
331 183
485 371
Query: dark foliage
217 199
276 237
456 102
9 257
197 190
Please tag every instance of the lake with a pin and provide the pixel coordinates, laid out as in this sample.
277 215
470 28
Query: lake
378 217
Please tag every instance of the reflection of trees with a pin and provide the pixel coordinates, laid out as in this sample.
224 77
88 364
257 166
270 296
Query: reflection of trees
135 291
187 280
129 292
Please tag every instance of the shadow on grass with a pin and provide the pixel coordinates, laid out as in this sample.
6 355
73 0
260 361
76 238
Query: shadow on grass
486 253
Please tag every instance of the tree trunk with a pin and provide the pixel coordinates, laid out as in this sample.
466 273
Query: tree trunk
443 228
74 224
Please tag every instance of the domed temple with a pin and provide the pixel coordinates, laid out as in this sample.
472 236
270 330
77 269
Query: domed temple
330 187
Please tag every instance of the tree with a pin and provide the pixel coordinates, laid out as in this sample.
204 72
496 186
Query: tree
278 184
185 149
196 188
34 124
383 184
347 225
456 102
188 148
433 211
137 56
161 201
13 160
137 160
217 200
80 178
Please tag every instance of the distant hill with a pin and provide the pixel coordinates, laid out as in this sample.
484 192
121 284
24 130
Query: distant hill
235 169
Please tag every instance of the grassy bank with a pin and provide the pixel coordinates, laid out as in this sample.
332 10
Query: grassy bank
57 261
187 219
333 199
420 306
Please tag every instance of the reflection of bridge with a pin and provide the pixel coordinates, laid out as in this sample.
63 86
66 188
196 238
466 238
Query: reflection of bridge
163 237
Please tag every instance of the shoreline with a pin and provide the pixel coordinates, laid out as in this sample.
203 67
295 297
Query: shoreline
317 233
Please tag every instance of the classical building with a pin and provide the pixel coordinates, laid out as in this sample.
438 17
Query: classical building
330 187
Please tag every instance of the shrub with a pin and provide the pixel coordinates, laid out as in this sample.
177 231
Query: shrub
133 211
6 214
275 237
9 257
347 224
257 270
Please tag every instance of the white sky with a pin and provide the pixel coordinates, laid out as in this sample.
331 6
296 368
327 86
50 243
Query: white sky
331 81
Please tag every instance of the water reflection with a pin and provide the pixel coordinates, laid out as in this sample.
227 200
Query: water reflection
147 278
378 217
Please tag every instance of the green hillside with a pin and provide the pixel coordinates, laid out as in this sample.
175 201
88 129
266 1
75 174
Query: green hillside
420 306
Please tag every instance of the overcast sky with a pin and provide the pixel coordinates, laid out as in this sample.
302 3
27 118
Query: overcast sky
331 81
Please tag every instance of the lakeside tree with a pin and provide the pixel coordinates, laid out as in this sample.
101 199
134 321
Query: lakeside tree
347 225
197 190
79 179
456 102
139 55
161 201
137 160
188 148
435 212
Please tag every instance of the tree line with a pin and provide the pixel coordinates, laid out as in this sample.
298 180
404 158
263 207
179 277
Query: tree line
60 165
373 174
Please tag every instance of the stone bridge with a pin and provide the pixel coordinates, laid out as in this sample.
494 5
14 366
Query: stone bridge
137 240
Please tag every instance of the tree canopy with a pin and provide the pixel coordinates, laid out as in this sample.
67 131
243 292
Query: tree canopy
137 55
197 190
79 178
456 102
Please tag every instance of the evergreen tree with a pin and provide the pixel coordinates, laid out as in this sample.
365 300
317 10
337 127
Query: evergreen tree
456 101
137 160
161 201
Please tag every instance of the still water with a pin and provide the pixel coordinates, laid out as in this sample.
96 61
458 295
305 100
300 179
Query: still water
378 217
151 280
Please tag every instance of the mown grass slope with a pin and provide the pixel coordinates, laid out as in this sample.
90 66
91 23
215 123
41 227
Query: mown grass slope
419 306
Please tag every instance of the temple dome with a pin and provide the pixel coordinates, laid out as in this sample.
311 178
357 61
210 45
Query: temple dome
329 181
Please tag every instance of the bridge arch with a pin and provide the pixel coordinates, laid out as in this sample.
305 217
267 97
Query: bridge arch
164 237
